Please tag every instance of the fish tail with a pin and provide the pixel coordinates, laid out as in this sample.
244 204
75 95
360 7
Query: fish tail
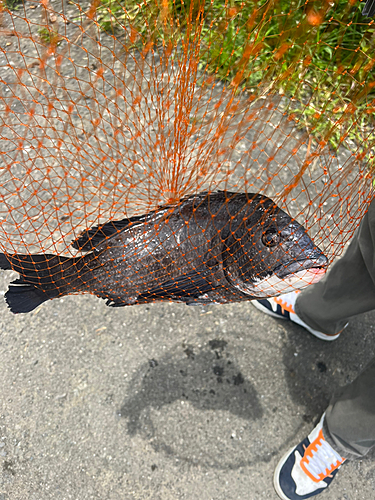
23 298
42 277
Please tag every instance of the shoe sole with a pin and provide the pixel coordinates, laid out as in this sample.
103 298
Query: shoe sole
318 335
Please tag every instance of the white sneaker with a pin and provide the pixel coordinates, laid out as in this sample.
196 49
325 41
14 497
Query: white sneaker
282 307
308 469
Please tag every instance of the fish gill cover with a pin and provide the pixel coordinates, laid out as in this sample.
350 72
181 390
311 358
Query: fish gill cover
144 132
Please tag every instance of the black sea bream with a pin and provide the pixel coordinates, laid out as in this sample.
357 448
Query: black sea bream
209 248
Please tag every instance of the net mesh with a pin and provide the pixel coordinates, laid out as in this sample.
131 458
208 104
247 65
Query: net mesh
155 134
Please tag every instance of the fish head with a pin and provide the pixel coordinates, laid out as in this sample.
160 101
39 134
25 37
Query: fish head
268 253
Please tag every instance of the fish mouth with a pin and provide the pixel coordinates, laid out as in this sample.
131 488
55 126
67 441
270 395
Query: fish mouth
317 265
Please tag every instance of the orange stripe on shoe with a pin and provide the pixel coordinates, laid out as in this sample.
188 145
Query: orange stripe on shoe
284 305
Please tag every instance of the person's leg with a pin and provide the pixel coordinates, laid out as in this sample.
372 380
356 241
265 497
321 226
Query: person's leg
348 288
349 425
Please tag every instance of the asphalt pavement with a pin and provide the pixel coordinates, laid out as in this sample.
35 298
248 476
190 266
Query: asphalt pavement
164 401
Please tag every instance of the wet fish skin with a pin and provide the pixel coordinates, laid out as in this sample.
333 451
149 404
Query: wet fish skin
210 248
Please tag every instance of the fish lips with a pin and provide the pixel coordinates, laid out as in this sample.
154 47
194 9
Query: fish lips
319 261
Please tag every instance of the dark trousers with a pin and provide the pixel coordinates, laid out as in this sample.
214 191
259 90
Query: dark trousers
347 290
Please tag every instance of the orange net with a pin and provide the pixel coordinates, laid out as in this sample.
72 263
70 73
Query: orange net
172 142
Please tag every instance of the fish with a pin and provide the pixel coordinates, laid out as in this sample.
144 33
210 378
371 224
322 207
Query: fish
209 248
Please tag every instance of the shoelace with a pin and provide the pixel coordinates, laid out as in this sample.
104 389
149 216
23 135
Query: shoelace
320 459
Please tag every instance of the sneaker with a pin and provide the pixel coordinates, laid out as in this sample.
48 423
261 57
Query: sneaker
308 469
282 307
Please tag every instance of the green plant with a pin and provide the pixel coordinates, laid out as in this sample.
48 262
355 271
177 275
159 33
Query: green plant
13 4
318 52
49 36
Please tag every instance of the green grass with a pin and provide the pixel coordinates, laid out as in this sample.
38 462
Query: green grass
319 53
13 4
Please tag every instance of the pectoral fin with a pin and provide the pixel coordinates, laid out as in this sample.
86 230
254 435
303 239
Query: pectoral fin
187 286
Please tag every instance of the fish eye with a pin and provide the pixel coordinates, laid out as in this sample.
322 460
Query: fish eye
270 238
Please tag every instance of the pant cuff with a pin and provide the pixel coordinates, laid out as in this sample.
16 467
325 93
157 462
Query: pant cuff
333 443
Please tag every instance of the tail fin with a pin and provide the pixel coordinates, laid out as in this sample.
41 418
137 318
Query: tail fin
23 298
42 277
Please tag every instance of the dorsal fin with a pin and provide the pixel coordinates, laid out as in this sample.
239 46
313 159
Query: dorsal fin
91 238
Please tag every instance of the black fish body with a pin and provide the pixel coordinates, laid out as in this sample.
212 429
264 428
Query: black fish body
210 248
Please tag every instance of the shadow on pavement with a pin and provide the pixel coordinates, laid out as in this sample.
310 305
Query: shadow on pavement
209 379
